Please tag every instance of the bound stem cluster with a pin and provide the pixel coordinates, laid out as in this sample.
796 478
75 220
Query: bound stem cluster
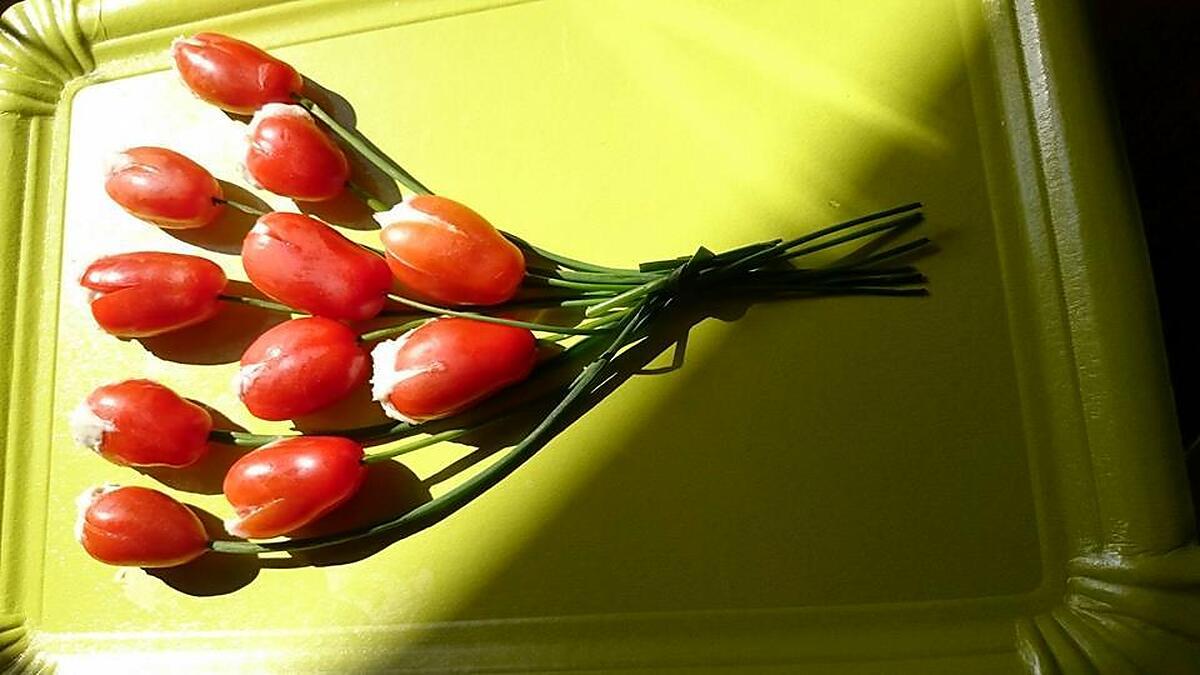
617 307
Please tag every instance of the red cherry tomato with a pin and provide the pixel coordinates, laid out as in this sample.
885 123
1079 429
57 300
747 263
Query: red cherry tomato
287 484
443 251
164 187
149 293
142 423
307 264
447 365
299 367
289 155
233 75
138 527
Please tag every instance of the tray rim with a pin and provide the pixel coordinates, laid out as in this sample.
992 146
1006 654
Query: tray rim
1132 573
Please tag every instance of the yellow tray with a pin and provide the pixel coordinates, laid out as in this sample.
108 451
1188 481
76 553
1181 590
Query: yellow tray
985 481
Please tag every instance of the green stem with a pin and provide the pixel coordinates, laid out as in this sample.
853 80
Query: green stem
372 435
366 197
243 438
887 254
627 297
767 291
831 272
850 276
875 280
565 301
595 324
754 259
368 150
444 311
563 260
555 282
720 258
432 439
607 277
260 303
583 302
244 208
391 331
859 234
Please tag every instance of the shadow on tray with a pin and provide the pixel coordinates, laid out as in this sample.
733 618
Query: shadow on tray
391 489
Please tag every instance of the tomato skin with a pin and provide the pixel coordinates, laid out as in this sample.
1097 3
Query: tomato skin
447 365
138 527
163 187
233 75
142 423
148 293
307 264
300 367
442 251
290 155
285 485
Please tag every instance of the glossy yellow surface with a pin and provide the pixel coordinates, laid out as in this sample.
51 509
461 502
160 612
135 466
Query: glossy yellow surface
840 481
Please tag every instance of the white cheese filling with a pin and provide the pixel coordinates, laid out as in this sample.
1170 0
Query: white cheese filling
401 212
174 51
234 525
406 212
88 428
244 378
84 502
385 377
272 110
117 162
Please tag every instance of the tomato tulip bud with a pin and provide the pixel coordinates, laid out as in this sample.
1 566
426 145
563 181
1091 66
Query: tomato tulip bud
163 187
290 155
149 293
233 75
307 264
300 367
138 527
447 365
142 423
442 251
285 485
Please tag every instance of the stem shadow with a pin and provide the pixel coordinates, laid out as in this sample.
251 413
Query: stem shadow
389 486
212 573
221 339
207 475
356 410
225 235
347 210
670 331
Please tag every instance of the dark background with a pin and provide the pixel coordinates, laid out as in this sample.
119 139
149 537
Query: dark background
1150 53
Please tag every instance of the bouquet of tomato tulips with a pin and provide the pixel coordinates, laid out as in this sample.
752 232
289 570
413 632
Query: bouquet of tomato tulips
455 284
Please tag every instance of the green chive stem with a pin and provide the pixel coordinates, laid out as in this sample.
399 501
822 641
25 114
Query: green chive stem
445 311
244 208
392 331
535 279
432 439
368 150
372 202
260 303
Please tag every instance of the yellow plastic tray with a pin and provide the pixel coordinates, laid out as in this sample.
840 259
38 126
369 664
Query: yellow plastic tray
988 480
